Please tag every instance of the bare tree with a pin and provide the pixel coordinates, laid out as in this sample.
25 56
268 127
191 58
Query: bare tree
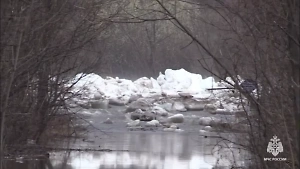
259 42
42 42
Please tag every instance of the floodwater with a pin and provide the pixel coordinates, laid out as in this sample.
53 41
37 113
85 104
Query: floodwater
136 149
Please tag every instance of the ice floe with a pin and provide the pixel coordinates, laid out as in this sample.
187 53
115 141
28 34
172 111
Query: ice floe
94 90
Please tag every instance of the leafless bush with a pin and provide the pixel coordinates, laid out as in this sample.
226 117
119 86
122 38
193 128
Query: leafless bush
42 43
258 40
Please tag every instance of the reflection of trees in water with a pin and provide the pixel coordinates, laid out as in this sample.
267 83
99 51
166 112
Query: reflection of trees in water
48 164
225 150
97 154
146 150
65 158
64 162
153 148
63 166
25 165
166 143
134 166
29 164
186 152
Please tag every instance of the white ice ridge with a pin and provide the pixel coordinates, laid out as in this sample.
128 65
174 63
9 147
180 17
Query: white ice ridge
170 83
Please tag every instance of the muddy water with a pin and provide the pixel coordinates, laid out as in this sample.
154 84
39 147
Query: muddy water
136 149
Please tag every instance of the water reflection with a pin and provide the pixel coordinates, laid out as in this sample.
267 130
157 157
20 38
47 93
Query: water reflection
128 160
154 150
145 150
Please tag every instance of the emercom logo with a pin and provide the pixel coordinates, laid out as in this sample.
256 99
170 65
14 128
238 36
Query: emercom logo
275 147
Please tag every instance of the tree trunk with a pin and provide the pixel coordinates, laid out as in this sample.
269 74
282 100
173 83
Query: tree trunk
294 53
43 78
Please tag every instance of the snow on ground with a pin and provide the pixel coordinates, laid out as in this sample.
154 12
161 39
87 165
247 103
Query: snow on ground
170 83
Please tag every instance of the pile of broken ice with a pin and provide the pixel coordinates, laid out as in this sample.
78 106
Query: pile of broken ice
159 102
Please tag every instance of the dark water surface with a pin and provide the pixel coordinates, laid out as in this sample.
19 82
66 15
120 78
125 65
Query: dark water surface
145 151
135 149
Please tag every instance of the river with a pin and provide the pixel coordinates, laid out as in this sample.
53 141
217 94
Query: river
153 149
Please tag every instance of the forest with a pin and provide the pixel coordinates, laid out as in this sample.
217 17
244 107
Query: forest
45 43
